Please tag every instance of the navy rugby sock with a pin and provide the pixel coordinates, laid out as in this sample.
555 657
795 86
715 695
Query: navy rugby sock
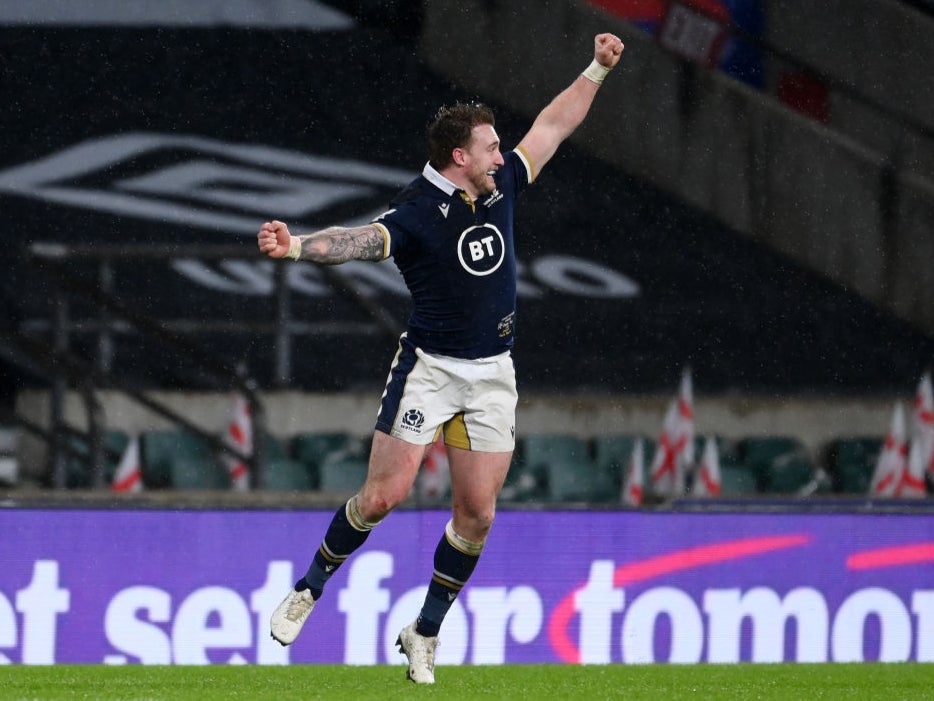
347 532
455 560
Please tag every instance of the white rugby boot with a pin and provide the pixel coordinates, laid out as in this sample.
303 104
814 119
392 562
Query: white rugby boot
421 653
289 616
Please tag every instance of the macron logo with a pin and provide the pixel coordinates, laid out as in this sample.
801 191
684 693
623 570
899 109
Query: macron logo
444 209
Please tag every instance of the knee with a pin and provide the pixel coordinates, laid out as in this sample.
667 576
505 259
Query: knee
484 522
474 526
374 507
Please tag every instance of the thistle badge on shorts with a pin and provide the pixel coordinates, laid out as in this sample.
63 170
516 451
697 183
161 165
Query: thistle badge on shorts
412 420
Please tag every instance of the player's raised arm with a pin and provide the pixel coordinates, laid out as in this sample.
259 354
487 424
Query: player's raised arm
566 111
330 246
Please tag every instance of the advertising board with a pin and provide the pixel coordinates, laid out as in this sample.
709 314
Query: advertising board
198 587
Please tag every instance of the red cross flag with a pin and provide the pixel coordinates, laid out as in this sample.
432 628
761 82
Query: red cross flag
631 493
707 482
686 416
239 435
129 474
912 482
675 452
923 426
891 463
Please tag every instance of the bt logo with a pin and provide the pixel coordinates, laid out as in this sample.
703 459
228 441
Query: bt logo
481 250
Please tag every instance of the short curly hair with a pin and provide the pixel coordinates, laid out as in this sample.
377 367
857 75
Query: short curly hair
451 128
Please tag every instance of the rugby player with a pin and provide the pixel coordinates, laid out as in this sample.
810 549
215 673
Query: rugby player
450 232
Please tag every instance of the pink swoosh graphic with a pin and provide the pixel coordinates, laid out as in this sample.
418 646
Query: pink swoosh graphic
892 557
658 566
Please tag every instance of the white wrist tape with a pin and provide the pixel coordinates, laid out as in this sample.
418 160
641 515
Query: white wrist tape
295 248
595 72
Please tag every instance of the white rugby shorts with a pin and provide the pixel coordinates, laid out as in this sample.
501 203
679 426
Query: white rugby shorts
472 401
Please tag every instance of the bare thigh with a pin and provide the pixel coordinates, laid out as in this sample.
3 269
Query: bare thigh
476 480
392 471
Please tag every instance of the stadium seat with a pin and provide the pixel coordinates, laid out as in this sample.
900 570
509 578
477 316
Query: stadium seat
539 449
521 485
77 461
9 467
578 480
566 480
180 459
551 462
852 461
611 457
737 480
286 475
344 470
196 472
311 449
282 472
780 464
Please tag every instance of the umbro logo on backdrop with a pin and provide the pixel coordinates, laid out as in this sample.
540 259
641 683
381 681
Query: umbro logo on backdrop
200 182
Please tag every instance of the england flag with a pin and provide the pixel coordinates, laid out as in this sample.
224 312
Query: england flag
631 493
707 481
129 475
675 453
239 435
923 425
891 463
912 483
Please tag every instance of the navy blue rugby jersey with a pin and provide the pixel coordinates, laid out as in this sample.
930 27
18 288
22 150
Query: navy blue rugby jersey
458 260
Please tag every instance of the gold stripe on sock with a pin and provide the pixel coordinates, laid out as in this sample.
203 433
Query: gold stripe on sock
329 555
446 581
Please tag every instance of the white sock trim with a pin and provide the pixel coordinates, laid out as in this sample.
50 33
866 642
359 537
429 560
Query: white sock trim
354 517
468 547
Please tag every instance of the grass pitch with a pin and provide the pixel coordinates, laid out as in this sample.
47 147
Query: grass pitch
782 682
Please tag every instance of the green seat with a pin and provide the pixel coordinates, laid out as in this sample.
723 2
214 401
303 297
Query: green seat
344 470
549 465
737 480
566 480
9 467
286 475
539 449
197 472
578 480
780 464
522 485
78 459
852 462
311 449
282 472
612 453
180 459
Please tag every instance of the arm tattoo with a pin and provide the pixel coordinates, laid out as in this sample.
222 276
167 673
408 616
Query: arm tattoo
337 244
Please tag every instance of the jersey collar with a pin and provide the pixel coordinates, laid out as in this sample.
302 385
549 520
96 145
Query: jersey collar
438 180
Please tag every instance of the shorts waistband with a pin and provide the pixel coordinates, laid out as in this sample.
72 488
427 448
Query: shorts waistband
473 361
